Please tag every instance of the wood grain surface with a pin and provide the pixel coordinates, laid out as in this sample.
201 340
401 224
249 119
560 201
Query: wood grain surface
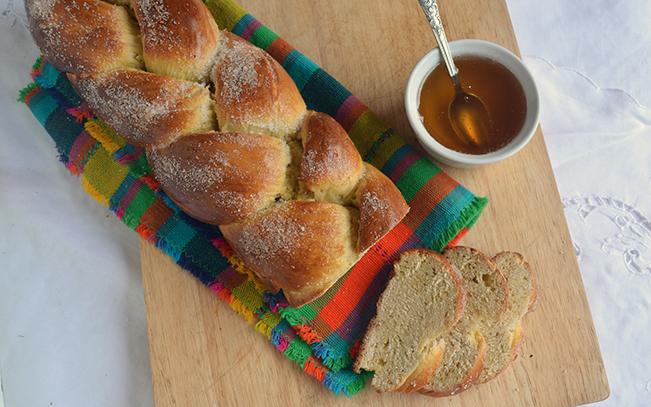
203 354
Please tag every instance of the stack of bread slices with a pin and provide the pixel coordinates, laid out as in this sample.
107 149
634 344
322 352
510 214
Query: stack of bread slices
447 321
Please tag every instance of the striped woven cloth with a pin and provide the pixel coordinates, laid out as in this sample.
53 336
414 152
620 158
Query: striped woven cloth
322 336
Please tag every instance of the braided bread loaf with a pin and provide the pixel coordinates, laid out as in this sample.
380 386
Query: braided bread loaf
286 186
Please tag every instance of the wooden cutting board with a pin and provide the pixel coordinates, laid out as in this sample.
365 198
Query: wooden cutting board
203 354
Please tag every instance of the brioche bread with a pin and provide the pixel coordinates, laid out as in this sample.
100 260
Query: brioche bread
487 300
200 173
331 167
504 338
423 299
253 93
410 347
286 186
84 36
179 38
145 108
300 233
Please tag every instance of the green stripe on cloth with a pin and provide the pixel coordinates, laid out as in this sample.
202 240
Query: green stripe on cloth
263 37
42 106
412 180
138 206
391 143
247 293
226 13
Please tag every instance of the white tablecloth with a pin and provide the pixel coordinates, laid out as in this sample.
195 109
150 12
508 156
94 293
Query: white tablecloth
72 321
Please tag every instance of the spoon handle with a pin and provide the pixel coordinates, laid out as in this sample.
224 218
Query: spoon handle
431 10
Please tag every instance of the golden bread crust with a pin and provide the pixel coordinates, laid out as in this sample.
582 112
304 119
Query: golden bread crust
263 99
201 174
302 247
149 110
431 359
84 36
470 378
179 37
381 207
330 166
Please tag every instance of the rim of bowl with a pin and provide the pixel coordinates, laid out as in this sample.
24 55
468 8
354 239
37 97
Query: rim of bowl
480 48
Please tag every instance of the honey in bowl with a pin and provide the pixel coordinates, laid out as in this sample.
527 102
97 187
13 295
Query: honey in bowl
498 89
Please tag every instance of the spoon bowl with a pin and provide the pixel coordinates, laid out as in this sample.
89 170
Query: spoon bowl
470 119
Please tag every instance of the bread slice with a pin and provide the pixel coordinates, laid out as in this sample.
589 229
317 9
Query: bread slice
503 339
430 360
423 299
462 362
487 300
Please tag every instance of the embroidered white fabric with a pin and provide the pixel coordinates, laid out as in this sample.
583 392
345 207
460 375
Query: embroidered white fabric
590 60
71 307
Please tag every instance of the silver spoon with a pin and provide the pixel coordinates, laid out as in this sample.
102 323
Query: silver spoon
467 113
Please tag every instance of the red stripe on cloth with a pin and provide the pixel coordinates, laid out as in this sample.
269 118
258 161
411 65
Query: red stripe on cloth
78 152
31 94
156 215
314 368
230 278
456 240
150 182
222 245
362 274
428 197
80 113
279 49
37 69
403 165
349 112
250 29
221 291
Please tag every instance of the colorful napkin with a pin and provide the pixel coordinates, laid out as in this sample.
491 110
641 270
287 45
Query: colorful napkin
321 337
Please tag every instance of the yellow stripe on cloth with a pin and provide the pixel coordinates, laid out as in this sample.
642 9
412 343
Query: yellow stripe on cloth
226 13
366 129
389 146
241 268
101 132
103 175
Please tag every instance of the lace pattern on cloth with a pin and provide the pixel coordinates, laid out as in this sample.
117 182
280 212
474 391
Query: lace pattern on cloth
631 240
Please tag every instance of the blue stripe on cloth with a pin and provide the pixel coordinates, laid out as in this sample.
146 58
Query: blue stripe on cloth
396 157
48 77
64 87
446 212
323 93
176 234
205 255
65 128
195 269
241 25
42 105
300 68
114 202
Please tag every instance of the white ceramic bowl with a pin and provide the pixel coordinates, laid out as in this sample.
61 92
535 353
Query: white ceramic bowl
481 49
